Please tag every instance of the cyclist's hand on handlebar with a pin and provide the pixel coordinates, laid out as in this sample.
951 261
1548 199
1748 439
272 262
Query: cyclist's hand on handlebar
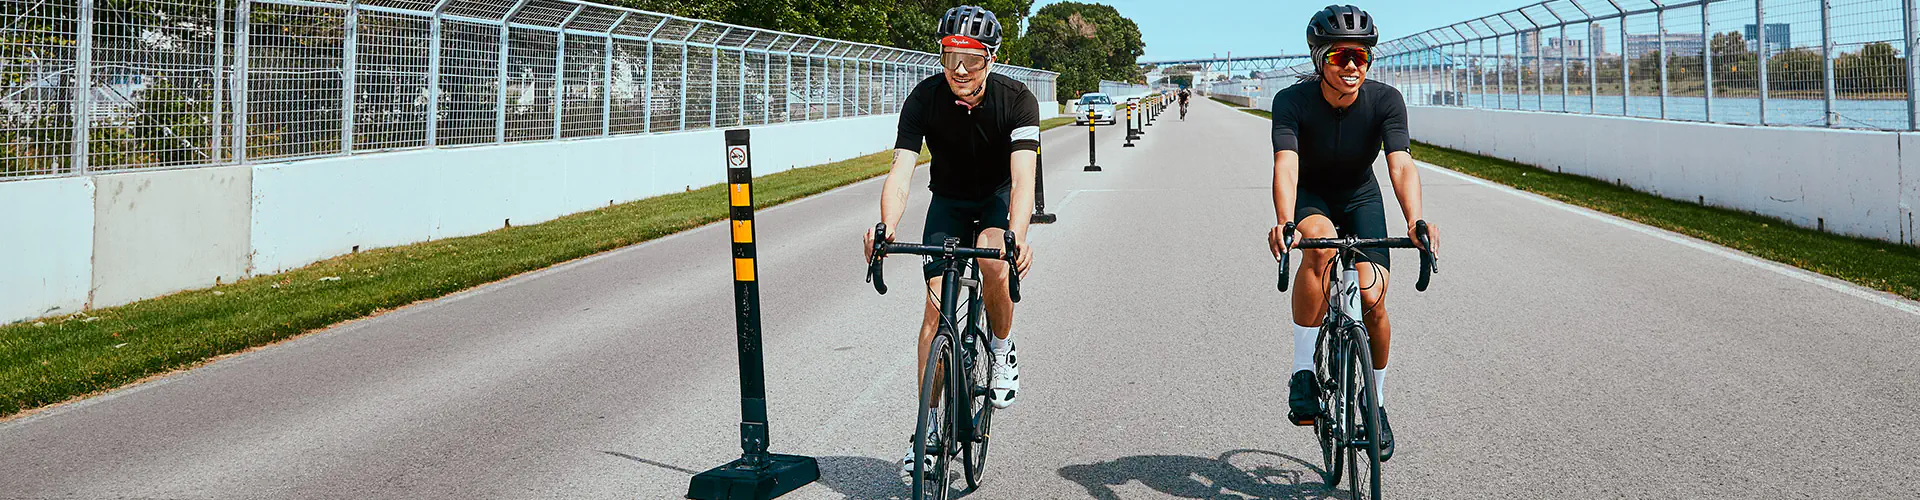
866 243
1277 242
1025 261
1432 236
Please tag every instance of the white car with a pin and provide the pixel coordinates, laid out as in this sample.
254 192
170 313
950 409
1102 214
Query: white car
1102 106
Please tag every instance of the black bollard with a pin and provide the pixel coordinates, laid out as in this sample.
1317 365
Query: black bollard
1092 165
1040 215
757 475
1130 132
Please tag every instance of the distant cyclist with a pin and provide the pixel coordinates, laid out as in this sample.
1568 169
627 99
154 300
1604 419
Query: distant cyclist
1185 94
1327 131
983 130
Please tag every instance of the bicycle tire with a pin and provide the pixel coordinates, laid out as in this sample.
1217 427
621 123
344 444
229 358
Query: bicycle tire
980 426
1363 477
934 484
1327 426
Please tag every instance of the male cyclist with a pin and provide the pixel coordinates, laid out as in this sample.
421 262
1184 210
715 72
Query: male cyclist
983 130
1327 130
1184 95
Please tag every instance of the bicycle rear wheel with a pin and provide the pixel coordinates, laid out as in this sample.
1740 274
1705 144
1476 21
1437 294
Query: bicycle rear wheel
935 484
1363 455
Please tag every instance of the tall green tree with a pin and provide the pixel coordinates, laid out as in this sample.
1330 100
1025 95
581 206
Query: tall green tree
1085 43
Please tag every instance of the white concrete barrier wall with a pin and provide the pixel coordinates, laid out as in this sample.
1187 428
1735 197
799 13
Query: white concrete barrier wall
46 247
1857 183
144 234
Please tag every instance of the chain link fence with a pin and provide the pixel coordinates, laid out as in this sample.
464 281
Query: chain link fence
1822 63
112 85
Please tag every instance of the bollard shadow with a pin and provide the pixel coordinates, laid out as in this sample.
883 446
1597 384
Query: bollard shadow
1233 475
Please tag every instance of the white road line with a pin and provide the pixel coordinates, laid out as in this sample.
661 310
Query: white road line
1825 281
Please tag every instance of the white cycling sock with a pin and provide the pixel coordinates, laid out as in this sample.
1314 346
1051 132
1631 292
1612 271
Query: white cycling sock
1303 340
1380 386
1001 345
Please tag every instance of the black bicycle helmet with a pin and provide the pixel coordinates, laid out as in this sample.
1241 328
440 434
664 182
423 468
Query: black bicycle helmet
971 22
1338 23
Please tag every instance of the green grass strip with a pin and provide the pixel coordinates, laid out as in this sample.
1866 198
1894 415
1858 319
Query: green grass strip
1875 264
55 359
1880 265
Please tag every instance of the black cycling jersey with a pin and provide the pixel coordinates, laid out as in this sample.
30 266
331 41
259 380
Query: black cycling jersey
1337 147
972 147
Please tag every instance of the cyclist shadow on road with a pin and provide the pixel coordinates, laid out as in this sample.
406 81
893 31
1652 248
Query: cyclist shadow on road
863 478
1236 474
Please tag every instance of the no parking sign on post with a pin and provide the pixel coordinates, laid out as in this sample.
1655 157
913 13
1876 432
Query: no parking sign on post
757 475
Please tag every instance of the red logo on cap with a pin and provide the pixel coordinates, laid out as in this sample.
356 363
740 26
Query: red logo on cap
961 42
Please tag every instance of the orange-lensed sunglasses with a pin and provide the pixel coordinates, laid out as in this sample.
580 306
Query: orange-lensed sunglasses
1339 57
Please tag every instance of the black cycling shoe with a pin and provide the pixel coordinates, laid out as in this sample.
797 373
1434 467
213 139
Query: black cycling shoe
1303 398
1386 437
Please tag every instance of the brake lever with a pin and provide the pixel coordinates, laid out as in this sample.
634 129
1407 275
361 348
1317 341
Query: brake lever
1013 268
1429 262
876 272
1286 235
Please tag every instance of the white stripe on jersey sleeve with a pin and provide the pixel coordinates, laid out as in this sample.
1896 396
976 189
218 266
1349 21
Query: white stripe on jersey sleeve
1027 133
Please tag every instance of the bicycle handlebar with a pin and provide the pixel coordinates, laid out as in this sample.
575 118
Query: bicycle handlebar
882 247
1429 263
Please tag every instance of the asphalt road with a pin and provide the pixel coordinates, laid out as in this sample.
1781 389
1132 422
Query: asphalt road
1561 354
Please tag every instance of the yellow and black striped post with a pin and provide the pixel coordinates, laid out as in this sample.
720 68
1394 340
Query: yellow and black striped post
1131 131
757 475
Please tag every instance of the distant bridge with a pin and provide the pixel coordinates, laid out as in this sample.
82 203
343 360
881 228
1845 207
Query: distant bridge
1232 64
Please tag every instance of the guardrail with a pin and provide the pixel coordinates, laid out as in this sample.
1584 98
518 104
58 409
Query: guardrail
1758 62
90 86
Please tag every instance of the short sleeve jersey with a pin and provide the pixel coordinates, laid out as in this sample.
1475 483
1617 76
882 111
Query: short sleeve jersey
1337 147
972 147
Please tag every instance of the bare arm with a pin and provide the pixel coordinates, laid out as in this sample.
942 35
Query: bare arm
1286 185
893 198
1406 188
1020 206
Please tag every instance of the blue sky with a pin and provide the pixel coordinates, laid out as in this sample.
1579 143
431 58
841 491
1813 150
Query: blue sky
1182 29
1177 29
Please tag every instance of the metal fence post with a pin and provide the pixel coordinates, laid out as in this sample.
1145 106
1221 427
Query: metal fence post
350 63
506 47
684 76
713 81
1909 17
560 71
1626 67
434 36
1660 27
242 29
646 104
219 74
1826 58
82 88
606 78
1499 74
1760 35
1566 81
1706 55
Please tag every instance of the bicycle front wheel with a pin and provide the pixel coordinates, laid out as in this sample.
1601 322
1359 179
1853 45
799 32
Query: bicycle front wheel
1363 454
978 368
934 442
1329 426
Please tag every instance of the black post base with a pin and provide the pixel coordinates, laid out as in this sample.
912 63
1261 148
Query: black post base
1091 168
783 474
1043 218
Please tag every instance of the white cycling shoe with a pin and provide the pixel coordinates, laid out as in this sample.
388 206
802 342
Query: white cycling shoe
1006 377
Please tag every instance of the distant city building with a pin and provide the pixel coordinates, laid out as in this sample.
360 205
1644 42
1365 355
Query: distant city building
1779 37
1598 35
1677 43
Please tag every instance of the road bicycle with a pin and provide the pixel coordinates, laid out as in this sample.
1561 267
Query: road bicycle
1343 360
958 368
